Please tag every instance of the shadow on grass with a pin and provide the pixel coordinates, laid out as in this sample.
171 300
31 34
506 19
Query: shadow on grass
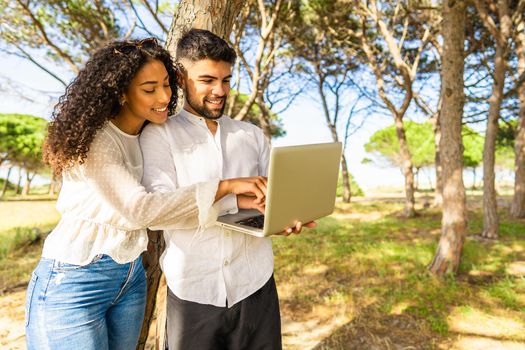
376 272
373 330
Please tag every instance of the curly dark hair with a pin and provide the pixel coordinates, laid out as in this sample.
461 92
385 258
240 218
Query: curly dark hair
93 98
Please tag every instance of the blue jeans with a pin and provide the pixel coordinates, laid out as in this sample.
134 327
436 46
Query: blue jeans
92 307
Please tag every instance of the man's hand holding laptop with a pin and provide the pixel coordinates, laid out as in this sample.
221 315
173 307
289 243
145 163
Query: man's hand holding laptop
251 194
255 186
251 202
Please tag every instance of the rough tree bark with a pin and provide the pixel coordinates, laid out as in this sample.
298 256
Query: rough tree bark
518 202
501 35
438 192
453 223
490 206
27 183
216 16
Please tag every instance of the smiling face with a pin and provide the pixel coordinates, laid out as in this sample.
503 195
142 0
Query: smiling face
147 98
206 85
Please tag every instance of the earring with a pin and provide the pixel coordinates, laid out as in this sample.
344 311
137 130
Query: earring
121 102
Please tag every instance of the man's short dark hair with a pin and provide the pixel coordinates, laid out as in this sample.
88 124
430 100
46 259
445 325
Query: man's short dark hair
200 44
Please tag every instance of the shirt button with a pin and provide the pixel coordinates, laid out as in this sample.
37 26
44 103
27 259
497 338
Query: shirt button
226 262
227 234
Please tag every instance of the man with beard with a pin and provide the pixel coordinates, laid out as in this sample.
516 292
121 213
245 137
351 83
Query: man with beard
221 293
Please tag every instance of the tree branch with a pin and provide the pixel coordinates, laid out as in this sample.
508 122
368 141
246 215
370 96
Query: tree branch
155 16
32 60
43 32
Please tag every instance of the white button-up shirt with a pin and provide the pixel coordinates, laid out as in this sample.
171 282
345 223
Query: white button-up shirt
214 265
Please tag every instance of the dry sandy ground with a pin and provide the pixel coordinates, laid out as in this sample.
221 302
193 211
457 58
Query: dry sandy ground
12 320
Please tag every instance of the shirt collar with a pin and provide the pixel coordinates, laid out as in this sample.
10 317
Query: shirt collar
196 119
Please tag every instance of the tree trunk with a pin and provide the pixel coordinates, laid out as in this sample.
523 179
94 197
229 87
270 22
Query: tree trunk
154 300
490 206
347 193
517 209
438 193
4 188
416 179
216 16
501 34
27 183
52 184
18 187
453 223
406 167
25 189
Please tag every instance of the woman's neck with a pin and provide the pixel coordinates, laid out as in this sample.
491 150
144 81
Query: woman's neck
128 124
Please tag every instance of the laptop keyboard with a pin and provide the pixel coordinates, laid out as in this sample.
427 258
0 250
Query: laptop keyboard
254 221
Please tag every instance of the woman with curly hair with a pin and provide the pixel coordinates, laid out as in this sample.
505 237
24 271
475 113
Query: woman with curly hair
89 289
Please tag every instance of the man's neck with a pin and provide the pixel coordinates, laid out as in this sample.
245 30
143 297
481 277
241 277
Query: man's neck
211 124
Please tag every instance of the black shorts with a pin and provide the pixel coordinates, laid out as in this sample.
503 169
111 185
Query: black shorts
252 324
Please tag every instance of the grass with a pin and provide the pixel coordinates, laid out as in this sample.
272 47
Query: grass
365 267
24 222
375 269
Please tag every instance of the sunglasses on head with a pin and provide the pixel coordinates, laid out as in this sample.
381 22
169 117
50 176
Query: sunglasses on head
130 46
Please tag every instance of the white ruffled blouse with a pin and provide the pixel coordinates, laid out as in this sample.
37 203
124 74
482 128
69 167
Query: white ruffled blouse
105 209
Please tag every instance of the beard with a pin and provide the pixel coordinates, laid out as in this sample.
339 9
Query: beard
201 108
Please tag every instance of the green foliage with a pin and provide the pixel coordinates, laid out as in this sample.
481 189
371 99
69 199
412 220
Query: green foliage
505 157
420 138
10 185
16 238
20 250
473 143
254 113
472 148
21 138
167 8
315 39
505 141
355 189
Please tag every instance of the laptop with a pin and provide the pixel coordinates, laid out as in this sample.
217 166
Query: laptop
302 183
